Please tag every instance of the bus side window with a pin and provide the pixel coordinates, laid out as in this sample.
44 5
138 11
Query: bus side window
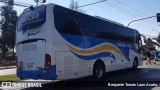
65 23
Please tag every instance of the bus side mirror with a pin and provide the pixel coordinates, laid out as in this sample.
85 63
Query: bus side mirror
144 38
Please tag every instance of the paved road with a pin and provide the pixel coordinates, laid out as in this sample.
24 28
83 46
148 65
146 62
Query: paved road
144 74
6 67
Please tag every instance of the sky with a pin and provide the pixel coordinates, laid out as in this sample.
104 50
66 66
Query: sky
121 11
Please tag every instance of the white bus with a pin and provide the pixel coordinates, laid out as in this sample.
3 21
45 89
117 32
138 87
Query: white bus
56 43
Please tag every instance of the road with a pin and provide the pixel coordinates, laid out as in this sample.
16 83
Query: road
144 74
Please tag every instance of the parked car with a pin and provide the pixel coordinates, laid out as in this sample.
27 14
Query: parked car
158 55
153 53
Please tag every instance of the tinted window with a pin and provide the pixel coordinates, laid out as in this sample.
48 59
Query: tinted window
72 22
94 27
65 22
32 18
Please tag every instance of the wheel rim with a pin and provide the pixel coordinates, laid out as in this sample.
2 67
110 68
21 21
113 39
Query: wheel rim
99 72
135 64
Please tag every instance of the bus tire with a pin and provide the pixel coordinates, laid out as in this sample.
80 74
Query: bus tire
135 64
98 71
21 78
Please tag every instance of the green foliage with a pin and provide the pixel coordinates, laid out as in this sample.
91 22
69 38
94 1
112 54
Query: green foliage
8 26
73 5
11 77
158 40
149 42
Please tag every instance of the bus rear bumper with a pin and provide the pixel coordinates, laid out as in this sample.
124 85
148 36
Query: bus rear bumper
49 74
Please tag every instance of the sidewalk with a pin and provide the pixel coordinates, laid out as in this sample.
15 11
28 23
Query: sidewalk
7 67
7 71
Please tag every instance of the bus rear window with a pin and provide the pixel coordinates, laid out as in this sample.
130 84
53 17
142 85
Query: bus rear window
32 18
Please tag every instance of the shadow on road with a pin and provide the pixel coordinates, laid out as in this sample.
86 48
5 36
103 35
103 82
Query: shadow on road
139 76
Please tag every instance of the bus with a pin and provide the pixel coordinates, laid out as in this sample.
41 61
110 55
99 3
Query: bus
57 43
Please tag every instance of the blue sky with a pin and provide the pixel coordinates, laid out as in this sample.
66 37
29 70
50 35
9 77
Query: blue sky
122 11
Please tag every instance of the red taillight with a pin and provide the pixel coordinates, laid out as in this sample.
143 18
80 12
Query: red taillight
40 68
17 61
47 61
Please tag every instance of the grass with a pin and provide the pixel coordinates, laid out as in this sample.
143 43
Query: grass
11 77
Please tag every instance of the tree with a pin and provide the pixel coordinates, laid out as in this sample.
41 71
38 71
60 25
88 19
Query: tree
158 38
149 42
8 26
75 6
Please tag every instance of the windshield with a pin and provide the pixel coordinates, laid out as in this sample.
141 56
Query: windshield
32 18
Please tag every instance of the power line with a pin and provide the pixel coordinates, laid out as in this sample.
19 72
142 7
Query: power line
91 3
26 4
129 7
112 5
140 13
120 9
124 9
18 4
22 5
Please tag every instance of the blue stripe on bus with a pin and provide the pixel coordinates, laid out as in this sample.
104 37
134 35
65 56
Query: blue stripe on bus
91 41
49 74
95 56
78 41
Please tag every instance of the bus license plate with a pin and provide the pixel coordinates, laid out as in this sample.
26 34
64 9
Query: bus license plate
29 66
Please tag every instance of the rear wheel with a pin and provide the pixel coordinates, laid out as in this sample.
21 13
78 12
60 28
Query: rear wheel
135 64
21 78
98 71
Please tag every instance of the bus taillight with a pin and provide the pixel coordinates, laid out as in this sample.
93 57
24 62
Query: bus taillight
47 61
17 61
